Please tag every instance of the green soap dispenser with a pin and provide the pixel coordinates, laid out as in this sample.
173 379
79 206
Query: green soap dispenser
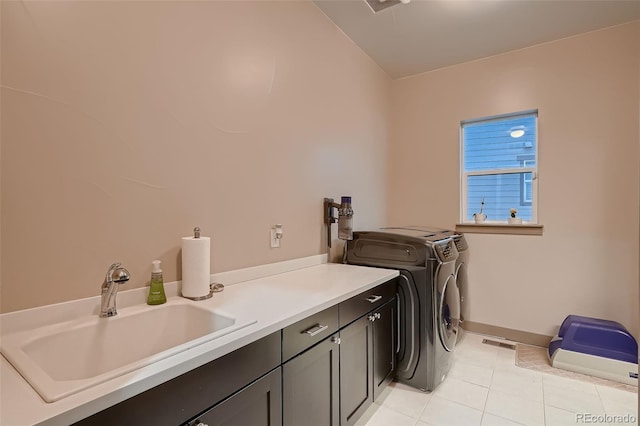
156 292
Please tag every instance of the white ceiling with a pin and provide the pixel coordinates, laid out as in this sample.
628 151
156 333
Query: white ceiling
424 35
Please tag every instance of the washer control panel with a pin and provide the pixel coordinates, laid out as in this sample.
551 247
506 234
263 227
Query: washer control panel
461 243
446 250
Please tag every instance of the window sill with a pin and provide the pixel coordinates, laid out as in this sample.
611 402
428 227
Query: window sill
499 228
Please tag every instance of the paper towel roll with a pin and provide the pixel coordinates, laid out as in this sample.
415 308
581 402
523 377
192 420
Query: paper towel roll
195 266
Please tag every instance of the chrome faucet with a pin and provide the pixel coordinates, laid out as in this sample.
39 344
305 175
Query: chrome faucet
116 275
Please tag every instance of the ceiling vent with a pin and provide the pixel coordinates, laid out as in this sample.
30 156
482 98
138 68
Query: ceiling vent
378 5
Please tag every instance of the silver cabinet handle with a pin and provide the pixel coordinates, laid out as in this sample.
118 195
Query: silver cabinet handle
374 316
373 298
316 329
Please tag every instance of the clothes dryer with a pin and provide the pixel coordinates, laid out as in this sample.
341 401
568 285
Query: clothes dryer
462 262
428 298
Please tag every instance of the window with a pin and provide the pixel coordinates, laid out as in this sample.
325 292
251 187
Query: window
499 166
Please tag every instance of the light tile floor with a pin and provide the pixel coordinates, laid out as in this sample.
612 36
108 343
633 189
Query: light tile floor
486 388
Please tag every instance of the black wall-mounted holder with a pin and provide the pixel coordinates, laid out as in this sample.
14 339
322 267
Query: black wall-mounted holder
329 217
344 218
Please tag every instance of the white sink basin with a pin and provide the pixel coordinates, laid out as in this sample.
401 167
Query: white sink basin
64 358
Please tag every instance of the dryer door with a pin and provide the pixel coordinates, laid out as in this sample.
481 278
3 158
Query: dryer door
448 311
463 288
408 350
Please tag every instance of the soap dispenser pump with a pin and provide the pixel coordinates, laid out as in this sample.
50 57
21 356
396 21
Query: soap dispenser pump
156 291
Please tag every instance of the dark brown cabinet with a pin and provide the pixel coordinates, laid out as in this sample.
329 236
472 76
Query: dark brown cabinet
367 360
384 346
356 367
335 381
310 386
259 404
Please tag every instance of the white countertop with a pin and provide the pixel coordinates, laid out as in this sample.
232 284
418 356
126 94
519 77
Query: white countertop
274 295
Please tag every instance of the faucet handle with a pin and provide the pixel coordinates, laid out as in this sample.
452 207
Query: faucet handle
117 274
112 268
121 276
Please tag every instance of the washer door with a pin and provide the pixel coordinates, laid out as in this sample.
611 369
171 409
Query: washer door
448 312
463 288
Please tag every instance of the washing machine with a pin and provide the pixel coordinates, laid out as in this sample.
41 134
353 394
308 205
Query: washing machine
428 298
462 262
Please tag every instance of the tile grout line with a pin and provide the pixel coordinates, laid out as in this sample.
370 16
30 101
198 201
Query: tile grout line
601 402
484 408
544 405
424 408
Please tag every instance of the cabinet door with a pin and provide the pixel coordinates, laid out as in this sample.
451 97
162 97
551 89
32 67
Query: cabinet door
259 404
310 386
356 365
384 346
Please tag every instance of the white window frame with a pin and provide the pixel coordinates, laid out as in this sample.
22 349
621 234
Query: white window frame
533 170
525 181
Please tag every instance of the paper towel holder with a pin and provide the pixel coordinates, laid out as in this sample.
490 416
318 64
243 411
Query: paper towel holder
213 288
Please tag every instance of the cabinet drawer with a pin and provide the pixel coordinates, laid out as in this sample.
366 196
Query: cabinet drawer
354 308
309 331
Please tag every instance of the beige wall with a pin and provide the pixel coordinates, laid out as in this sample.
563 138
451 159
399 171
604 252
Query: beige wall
586 90
126 124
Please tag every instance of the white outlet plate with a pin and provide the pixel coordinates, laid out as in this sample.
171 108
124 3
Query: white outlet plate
275 242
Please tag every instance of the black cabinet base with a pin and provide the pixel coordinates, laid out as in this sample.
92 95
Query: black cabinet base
259 404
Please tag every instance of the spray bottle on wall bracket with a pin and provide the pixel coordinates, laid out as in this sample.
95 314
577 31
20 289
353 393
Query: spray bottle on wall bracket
344 218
